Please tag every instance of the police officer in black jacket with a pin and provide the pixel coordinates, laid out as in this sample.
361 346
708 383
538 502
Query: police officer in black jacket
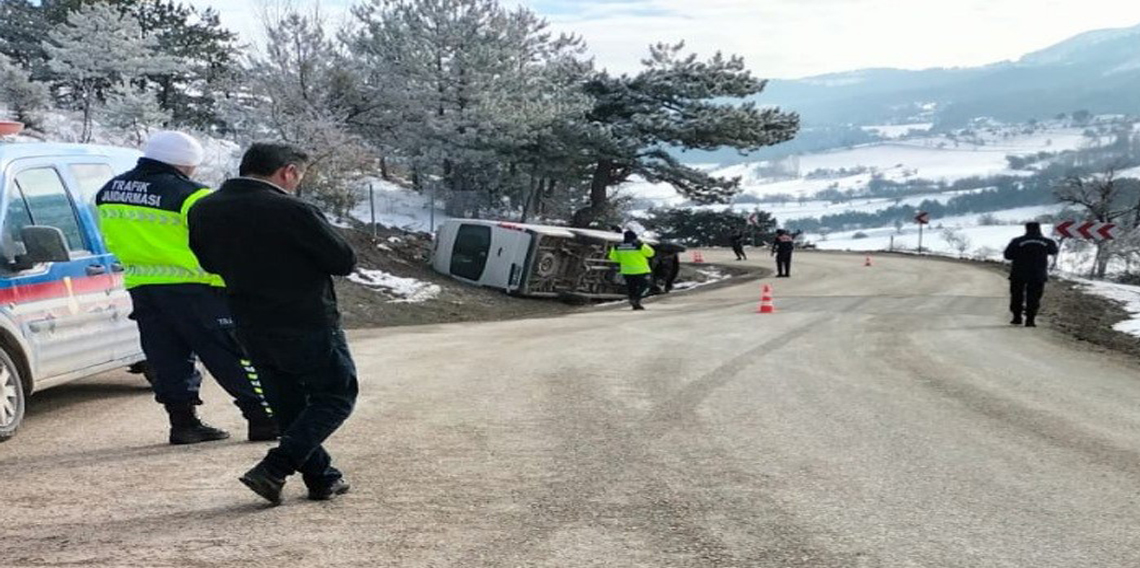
1030 256
277 255
782 247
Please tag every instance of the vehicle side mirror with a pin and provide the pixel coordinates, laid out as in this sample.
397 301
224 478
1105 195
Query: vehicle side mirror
43 244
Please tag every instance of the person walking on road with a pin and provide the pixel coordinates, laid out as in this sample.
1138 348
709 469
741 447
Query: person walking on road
782 248
180 308
633 256
1030 271
738 245
278 254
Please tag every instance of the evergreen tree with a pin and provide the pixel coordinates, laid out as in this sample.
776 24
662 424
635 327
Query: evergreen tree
25 98
23 26
96 48
676 102
134 111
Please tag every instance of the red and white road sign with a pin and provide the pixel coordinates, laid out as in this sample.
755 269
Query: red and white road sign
1090 230
923 218
754 219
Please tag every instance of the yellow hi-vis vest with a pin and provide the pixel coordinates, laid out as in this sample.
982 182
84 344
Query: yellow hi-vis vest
634 259
142 215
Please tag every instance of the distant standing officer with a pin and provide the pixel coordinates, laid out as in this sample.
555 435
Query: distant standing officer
277 254
738 245
782 248
1030 271
180 308
634 255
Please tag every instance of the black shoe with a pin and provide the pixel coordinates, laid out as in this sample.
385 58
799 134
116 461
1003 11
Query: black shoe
1016 320
186 428
638 307
331 491
196 434
1030 323
263 429
260 481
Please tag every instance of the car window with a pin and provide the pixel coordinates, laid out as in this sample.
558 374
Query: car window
91 178
47 201
469 255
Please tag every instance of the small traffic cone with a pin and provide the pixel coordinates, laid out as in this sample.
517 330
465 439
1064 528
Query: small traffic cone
868 261
698 258
766 305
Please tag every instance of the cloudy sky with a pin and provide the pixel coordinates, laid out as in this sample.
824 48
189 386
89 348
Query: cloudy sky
795 38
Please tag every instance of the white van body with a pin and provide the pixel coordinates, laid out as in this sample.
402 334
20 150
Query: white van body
530 260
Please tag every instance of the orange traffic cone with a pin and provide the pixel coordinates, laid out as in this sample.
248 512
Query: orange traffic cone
766 305
698 258
868 261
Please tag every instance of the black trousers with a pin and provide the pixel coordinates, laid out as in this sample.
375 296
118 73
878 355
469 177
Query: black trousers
310 380
635 287
784 264
1025 297
739 250
177 322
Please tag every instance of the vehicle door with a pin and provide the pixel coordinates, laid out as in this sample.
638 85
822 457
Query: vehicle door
62 307
86 177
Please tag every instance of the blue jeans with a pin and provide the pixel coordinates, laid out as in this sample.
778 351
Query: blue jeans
310 381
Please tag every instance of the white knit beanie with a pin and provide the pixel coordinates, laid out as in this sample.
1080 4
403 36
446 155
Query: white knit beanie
174 148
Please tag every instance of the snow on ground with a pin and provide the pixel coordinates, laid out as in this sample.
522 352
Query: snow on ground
401 290
712 275
1127 296
399 207
935 158
895 131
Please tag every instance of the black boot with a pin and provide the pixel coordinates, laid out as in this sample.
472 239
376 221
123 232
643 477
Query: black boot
261 481
186 428
262 427
1031 321
1016 320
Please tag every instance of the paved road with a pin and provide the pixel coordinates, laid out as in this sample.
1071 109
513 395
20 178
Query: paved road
885 416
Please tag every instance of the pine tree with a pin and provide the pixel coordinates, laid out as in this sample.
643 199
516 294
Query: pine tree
676 102
96 48
134 111
23 26
25 98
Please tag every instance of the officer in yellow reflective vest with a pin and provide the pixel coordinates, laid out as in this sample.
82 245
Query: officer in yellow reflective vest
634 255
180 309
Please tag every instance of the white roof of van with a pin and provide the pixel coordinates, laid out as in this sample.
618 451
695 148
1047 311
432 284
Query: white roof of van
550 230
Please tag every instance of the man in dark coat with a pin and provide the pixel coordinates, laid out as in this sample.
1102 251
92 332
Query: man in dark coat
277 254
782 248
738 245
1030 257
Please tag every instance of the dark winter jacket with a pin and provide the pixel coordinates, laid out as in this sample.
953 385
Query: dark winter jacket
1030 255
784 245
276 252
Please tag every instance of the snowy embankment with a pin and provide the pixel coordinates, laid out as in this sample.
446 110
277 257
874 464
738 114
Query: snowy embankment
395 206
396 288
1127 296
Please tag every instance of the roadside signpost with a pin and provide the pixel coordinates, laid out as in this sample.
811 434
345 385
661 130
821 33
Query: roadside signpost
923 218
1090 230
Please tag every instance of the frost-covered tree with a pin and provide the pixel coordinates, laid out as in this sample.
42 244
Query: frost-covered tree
299 91
676 102
25 99
96 48
134 111
471 94
23 26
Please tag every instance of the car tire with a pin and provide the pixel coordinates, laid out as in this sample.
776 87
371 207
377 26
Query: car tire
13 400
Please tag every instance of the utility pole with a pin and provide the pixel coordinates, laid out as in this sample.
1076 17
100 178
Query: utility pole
372 207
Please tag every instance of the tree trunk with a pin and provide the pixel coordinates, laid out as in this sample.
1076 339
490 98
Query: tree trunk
384 173
599 195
